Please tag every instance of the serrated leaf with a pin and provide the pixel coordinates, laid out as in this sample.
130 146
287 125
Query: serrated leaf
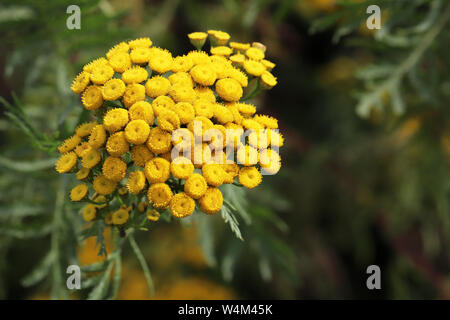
229 218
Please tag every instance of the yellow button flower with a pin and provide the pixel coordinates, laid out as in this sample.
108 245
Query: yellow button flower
254 68
182 93
197 39
91 158
101 73
80 82
213 174
97 138
231 172
211 202
133 93
79 192
136 182
82 148
92 98
203 74
104 186
247 156
185 112
120 61
181 205
115 119
69 144
89 212
181 168
120 216
66 162
140 155
204 108
159 141
239 46
117 145
83 173
268 80
221 51
183 78
142 110
113 89
161 103
222 114
160 60
229 89
114 169
249 177
137 131
140 55
122 47
134 75
159 195
182 64
85 129
157 86
168 120
140 43
255 53
266 121
195 186
157 170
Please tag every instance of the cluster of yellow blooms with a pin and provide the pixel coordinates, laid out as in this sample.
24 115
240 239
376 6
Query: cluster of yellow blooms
144 103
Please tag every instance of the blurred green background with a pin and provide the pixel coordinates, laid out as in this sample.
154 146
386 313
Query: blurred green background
352 191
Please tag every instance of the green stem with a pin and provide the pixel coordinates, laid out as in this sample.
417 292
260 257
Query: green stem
142 262
253 93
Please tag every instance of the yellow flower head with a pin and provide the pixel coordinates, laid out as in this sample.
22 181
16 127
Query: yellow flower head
82 148
115 119
204 108
204 74
182 64
239 46
181 168
89 212
268 80
221 51
108 218
160 60
249 177
101 73
159 195
168 120
103 185
85 129
255 53
142 206
185 112
200 122
229 89
140 43
251 124
100 199
161 103
198 57
254 68
183 139
259 139
91 158
218 38
181 205
245 109
133 93
247 156
211 202
83 173
113 89
159 141
267 157
182 78
69 144
140 154
117 145
120 217
197 39
213 174
182 93
134 75
195 186
157 170
120 62
238 75
140 55
157 86
122 47
222 114
66 162
266 121
205 93
79 192
237 59
268 64
92 98
136 182
237 117
137 131
234 135
80 82
97 62
114 169
153 215
231 171
276 139
142 110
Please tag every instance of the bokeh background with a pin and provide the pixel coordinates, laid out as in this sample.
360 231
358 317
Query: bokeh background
352 191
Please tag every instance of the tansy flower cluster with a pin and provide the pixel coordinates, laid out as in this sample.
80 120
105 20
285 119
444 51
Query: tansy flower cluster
143 150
